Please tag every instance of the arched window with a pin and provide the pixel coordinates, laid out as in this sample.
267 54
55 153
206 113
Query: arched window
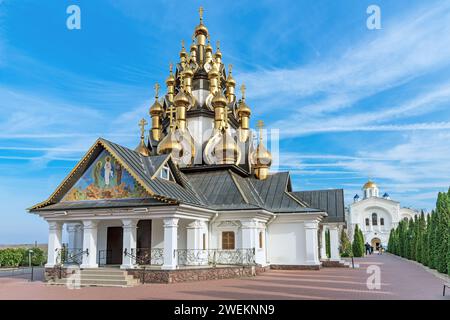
381 221
367 222
374 219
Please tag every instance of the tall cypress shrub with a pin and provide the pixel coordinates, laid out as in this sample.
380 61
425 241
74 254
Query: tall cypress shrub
442 232
356 245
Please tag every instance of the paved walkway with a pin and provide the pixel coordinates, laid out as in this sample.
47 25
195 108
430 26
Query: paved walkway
399 280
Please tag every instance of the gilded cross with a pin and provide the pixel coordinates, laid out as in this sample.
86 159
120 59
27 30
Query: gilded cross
230 68
200 12
156 90
218 45
243 87
260 126
142 124
171 67
182 44
171 110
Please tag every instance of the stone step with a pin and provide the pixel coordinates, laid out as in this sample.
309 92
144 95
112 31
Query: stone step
103 272
96 282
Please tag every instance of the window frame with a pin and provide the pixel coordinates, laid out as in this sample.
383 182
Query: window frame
228 240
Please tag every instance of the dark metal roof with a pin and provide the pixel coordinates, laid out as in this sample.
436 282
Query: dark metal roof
218 187
330 201
225 190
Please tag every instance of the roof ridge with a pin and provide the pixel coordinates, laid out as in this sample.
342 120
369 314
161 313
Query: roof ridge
238 186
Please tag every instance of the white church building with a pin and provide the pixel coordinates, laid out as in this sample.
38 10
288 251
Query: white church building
375 215
195 193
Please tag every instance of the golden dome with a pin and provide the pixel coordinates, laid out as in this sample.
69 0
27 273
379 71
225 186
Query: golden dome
208 47
262 157
169 145
201 29
226 150
181 99
369 184
244 109
156 109
143 149
170 81
219 99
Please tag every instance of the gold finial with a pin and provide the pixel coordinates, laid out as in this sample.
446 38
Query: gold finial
200 12
218 45
230 68
156 90
171 67
142 124
171 110
182 45
209 38
243 87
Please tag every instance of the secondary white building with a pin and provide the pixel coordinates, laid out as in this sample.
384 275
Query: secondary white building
197 192
375 215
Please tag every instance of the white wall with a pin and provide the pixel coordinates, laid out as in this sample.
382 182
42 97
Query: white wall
286 243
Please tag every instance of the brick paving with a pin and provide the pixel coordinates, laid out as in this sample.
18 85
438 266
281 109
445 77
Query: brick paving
399 280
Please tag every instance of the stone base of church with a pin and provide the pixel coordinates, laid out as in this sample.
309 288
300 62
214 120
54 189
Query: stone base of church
334 264
51 274
195 274
294 267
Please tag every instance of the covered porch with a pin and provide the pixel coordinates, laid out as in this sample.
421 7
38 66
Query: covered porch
164 241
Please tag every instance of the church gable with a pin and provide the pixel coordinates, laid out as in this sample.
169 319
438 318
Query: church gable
105 178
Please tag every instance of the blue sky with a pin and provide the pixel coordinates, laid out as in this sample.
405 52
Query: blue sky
350 102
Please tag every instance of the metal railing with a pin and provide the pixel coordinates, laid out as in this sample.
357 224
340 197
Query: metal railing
191 257
146 256
149 256
67 256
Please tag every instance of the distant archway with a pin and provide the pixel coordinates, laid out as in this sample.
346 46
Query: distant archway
375 243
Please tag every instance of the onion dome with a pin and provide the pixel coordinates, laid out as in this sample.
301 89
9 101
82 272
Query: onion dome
181 99
209 48
243 109
201 29
218 52
170 145
386 195
263 158
230 80
170 81
219 99
226 150
214 72
183 52
156 109
356 196
369 184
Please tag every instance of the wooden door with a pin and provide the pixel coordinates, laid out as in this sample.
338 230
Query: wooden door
114 245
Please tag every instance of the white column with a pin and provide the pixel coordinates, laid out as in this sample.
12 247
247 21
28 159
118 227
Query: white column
79 236
170 243
54 243
249 232
129 243
334 243
195 232
323 245
89 244
310 243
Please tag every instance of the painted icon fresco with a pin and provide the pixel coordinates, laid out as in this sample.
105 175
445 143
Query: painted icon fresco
105 179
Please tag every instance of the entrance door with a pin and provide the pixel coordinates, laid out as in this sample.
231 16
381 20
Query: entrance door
375 243
114 245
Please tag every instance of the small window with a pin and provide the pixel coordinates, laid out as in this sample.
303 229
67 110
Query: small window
367 222
382 221
261 244
374 219
228 240
165 172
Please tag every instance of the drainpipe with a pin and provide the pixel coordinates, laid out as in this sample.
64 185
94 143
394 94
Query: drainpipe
210 229
267 237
